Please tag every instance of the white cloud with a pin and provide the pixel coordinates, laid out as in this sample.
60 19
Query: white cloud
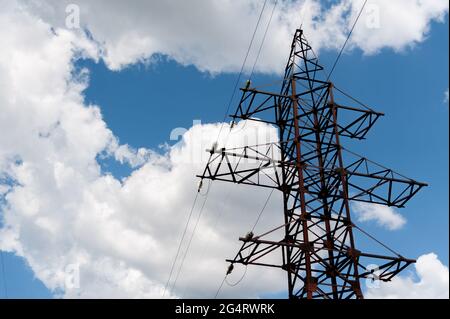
214 35
446 96
62 210
410 20
383 215
432 282
126 154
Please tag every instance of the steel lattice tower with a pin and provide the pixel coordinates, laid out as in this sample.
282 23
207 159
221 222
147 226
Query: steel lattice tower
307 165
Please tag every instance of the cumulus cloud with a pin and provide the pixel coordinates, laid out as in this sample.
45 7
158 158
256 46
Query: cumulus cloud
125 154
60 211
410 20
446 96
214 35
383 215
431 283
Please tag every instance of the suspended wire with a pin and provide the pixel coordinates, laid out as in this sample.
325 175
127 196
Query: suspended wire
207 189
224 280
378 241
262 210
375 163
219 214
240 279
190 241
220 287
181 242
5 287
348 37
293 220
269 84
238 79
246 266
263 39
245 272
217 218
352 98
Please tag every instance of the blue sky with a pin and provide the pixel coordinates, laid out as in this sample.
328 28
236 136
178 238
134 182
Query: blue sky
143 104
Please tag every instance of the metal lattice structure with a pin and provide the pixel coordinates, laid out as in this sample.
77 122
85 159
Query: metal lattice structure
317 249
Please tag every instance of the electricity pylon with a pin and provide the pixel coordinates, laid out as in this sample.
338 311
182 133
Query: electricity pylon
317 249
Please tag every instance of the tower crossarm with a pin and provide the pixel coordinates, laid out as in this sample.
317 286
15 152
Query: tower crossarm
260 165
359 123
373 183
256 251
257 165
262 106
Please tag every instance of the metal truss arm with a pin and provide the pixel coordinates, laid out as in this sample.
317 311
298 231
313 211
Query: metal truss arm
260 106
373 183
247 165
253 251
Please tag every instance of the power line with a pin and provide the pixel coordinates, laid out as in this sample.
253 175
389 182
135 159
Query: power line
190 241
217 218
352 98
224 280
263 39
376 240
220 287
254 226
240 279
262 210
181 241
345 43
242 69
